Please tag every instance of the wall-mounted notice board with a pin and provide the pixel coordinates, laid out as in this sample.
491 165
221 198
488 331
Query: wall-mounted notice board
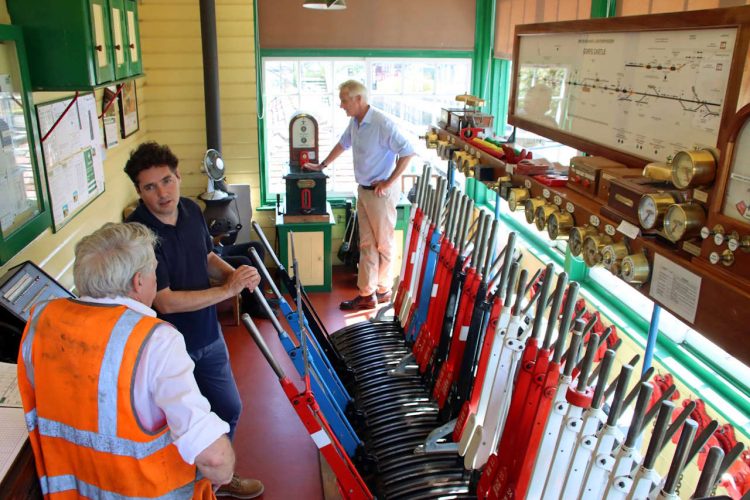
73 155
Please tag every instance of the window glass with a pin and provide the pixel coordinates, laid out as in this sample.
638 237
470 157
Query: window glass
281 78
412 91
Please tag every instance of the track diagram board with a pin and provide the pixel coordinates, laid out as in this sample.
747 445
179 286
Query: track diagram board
648 93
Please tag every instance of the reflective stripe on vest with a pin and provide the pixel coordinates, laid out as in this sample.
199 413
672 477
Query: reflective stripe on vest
59 484
26 347
99 442
110 370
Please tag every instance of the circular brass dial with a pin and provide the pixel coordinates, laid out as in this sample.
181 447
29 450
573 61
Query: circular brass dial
634 268
516 197
693 168
652 207
612 255
543 213
683 220
576 237
559 225
530 206
592 248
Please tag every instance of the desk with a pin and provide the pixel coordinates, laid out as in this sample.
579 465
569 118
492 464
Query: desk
312 246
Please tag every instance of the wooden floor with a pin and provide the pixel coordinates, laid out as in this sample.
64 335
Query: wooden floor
270 442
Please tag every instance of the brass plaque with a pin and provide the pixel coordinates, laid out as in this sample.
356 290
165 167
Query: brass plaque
625 201
306 183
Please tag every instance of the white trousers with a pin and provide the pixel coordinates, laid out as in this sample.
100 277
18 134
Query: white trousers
377 223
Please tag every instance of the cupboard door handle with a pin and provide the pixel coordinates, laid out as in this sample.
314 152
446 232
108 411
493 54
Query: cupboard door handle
132 45
99 48
117 47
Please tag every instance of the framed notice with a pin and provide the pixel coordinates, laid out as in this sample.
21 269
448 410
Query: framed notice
128 102
635 89
109 118
73 158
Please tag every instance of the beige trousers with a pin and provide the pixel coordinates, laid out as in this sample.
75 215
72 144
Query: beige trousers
377 223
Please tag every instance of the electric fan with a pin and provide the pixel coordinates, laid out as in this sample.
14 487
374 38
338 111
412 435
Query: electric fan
213 166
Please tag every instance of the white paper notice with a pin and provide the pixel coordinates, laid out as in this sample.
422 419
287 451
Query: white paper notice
9 393
13 435
675 287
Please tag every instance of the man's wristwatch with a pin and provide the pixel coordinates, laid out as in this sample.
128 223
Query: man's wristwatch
323 164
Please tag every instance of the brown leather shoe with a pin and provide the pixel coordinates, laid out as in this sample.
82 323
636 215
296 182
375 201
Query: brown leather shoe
240 487
383 297
359 303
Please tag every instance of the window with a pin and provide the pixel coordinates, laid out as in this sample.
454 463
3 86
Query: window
412 91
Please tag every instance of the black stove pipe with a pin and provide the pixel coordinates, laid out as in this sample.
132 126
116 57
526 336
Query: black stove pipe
210 74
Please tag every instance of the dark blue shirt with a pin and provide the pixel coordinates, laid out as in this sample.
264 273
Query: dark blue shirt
182 255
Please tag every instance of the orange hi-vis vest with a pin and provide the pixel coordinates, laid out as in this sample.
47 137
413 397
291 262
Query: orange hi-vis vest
76 371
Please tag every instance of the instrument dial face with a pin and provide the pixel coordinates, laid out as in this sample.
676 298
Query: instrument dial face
303 133
626 267
529 211
647 213
553 227
693 168
675 223
591 254
737 194
516 197
540 218
682 169
576 241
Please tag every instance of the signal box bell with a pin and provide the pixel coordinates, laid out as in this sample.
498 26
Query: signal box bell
305 190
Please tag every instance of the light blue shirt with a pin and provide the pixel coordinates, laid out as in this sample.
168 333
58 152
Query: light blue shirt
375 143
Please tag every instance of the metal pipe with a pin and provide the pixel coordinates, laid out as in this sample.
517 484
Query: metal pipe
210 74
710 473
653 333
258 338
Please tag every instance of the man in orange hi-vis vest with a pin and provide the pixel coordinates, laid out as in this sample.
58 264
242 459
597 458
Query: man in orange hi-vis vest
111 404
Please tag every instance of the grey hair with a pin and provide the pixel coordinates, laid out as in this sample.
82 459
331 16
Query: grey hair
354 88
108 258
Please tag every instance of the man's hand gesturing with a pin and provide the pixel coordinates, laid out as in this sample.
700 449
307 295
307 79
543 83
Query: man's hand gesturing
242 277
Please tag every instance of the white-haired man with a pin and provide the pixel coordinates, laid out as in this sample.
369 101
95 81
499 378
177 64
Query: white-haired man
111 403
381 154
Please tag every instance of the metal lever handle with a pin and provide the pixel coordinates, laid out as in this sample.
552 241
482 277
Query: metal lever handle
636 424
619 397
258 338
264 272
710 473
266 244
659 434
562 333
680 456
541 304
562 282
605 366
588 362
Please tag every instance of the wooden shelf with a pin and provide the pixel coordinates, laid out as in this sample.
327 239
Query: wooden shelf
724 300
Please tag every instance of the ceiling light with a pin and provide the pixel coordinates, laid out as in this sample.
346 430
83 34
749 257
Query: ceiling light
325 4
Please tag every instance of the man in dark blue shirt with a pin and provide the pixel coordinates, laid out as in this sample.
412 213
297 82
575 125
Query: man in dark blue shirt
186 269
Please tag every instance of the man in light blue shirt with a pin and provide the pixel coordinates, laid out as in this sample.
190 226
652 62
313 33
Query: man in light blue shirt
381 154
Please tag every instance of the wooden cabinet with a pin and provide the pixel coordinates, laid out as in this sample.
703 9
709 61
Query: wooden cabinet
79 44
312 244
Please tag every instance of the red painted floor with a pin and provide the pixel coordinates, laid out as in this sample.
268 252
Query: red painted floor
270 442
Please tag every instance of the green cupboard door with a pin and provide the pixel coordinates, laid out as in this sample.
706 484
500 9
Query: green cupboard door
134 37
119 38
102 37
